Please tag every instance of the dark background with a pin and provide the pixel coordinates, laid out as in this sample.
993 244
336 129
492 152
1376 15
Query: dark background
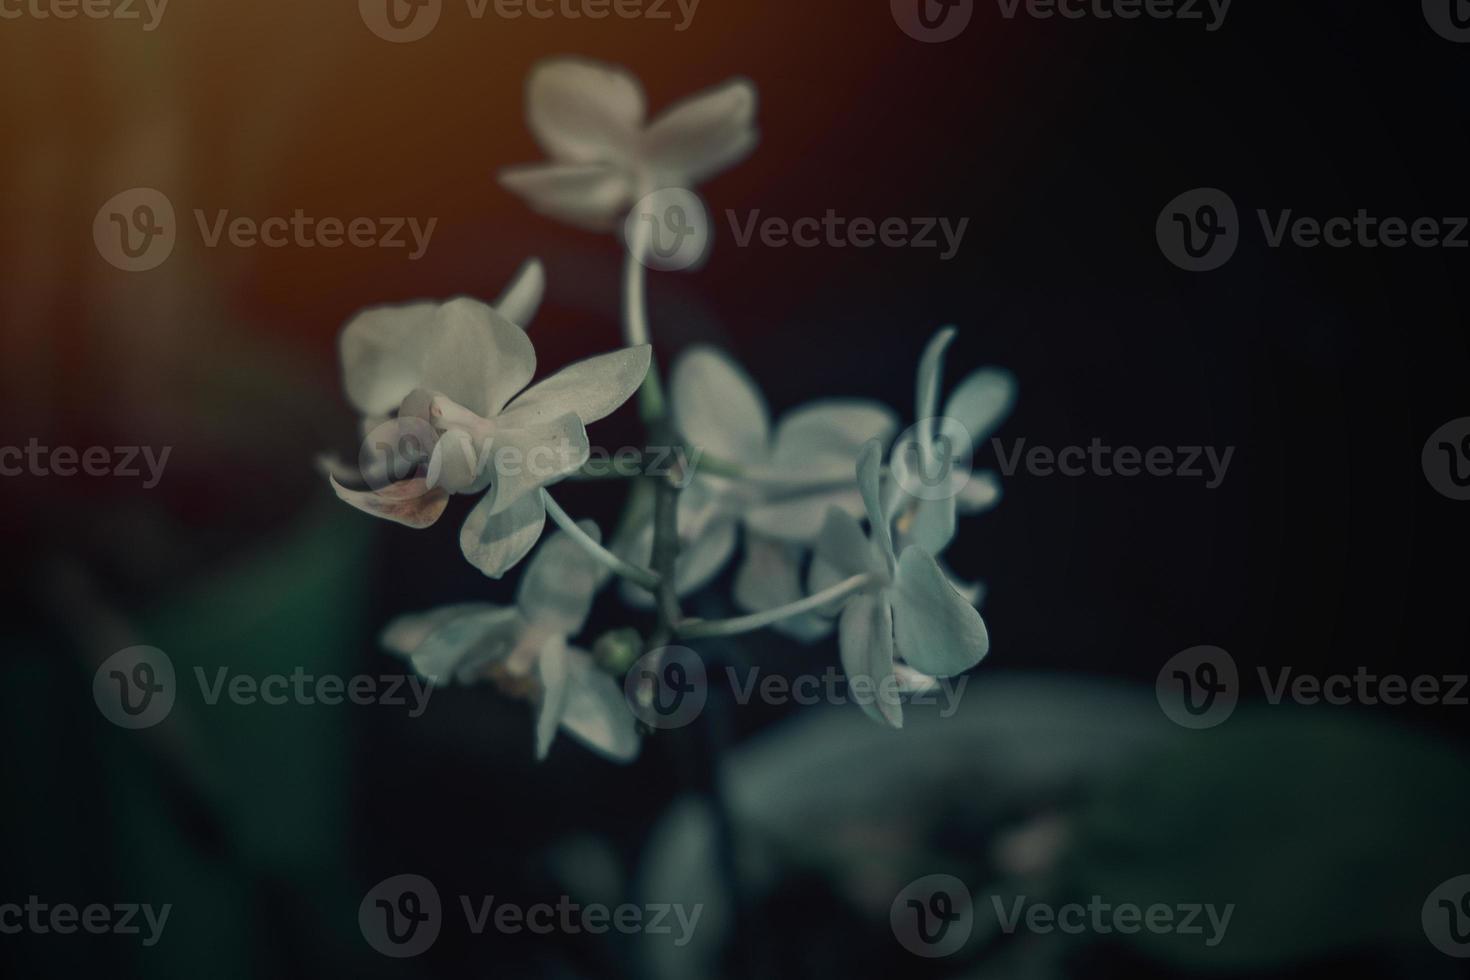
1061 141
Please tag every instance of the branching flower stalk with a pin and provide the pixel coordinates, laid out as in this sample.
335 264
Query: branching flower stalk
840 520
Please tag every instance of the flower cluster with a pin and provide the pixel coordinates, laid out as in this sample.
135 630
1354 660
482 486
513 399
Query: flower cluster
840 521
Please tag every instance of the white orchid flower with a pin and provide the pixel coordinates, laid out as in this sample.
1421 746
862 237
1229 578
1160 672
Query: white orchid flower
524 650
910 611
447 378
785 484
589 118
933 457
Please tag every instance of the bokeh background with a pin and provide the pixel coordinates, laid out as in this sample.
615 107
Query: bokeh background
1324 550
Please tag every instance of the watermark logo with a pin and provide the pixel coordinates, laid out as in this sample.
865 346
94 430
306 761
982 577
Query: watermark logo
1199 230
669 230
933 21
135 688
1450 19
940 473
667 688
135 230
1199 687
1446 917
401 916
933 916
1446 459
400 21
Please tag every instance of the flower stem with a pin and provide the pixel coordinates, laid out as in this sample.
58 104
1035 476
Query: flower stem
760 620
614 564
635 322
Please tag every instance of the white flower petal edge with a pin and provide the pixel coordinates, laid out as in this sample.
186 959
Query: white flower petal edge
560 582
593 388
585 195
704 134
522 298
596 713
412 503
717 407
770 577
458 648
589 118
462 349
496 542
865 637
937 631
551 671
982 401
584 111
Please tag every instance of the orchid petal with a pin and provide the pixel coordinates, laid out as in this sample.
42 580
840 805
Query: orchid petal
704 134
522 298
799 519
718 408
495 543
412 503
551 672
824 437
406 633
982 401
931 370
560 583
380 365
979 494
707 534
938 632
457 649
770 577
476 357
933 524
865 638
588 195
869 468
596 713
523 460
911 681
592 389
843 547
583 111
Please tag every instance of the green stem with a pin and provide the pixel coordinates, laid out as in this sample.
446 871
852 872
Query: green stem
635 323
610 561
760 620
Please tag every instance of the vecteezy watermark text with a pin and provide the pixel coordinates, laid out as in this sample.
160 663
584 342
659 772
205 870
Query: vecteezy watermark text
1200 687
67 461
402 916
137 230
1200 230
90 9
1097 459
404 21
137 687
63 918
668 688
1211 13
1102 918
834 231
